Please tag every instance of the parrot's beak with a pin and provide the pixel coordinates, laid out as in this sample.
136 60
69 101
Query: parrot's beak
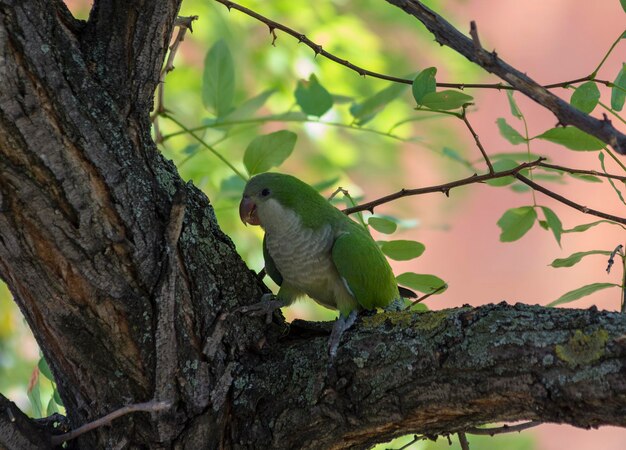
247 211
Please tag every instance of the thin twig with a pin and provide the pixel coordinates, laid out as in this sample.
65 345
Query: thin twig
474 34
611 261
568 202
503 429
317 48
424 297
138 407
444 188
463 441
476 139
183 24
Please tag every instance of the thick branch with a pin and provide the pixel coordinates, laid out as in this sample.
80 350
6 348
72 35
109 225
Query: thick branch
446 34
17 431
433 373
125 42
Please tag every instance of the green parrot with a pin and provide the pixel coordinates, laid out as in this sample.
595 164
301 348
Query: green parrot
311 248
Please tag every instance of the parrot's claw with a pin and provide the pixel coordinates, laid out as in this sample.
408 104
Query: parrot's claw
266 307
339 327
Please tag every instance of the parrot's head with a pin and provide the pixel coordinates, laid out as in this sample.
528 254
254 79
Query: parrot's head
269 196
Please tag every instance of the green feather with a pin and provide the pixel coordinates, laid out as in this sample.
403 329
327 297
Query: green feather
362 265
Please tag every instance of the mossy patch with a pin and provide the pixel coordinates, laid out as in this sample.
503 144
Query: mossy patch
396 319
583 348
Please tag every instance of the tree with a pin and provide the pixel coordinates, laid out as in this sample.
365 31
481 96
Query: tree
133 291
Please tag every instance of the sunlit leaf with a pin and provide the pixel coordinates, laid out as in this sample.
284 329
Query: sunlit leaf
515 111
618 92
312 97
218 80
365 111
424 83
509 133
382 225
617 191
586 97
572 138
554 223
580 293
445 100
57 397
499 166
269 150
516 222
402 250
575 258
421 282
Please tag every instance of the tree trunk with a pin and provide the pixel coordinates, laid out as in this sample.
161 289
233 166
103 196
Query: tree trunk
131 288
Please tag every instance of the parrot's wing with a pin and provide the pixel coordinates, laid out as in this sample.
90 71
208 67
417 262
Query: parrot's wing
364 269
270 266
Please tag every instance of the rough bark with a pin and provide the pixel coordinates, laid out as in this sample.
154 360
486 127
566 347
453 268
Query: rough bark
131 288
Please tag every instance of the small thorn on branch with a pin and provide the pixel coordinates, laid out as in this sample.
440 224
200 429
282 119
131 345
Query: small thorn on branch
474 34
273 33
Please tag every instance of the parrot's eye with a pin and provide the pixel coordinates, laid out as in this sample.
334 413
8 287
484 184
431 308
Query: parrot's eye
265 192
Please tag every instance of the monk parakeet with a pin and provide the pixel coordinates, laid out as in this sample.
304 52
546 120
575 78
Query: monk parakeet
312 248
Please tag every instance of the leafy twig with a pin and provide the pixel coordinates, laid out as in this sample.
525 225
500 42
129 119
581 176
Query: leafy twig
447 35
273 25
568 202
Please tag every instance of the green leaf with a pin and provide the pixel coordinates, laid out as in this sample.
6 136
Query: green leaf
617 191
325 184
581 292
500 165
269 150
402 250
312 97
52 407
57 397
509 133
421 282
424 83
34 395
554 223
382 225
520 187
585 177
575 258
364 112
572 138
586 226
516 222
456 156
618 92
218 79
516 156
445 100
623 2
586 97
250 106
44 369
513 105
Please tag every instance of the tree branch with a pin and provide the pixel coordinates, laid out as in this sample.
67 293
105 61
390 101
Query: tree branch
436 373
446 34
17 431
317 48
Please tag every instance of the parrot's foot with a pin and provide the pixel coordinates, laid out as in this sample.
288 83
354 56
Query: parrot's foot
339 327
266 306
